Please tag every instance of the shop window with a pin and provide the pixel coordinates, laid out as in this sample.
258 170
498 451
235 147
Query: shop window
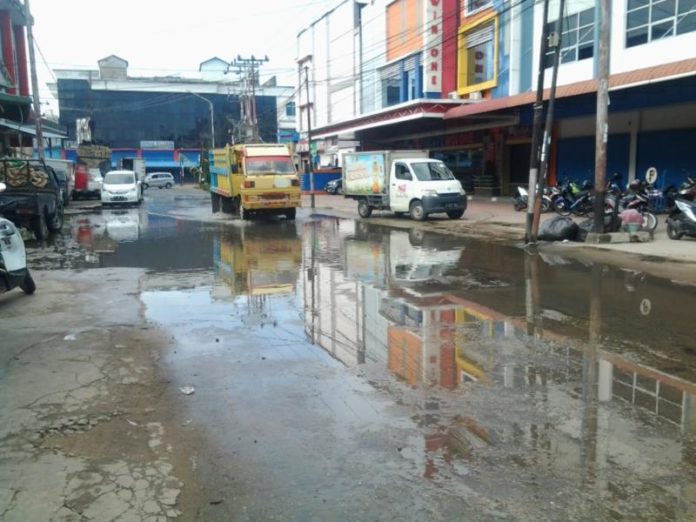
473 6
392 91
650 20
478 49
401 81
577 37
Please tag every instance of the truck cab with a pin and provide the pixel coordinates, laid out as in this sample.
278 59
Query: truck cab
254 179
423 187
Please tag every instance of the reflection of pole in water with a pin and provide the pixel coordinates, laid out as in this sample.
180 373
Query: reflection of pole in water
532 294
590 378
360 321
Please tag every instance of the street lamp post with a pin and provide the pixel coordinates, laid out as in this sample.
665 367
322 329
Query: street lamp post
212 117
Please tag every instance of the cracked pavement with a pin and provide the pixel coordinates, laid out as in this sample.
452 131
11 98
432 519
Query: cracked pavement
85 433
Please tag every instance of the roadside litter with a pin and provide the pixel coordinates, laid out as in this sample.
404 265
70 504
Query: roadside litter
187 390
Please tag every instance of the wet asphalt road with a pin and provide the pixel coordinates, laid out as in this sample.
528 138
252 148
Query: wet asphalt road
346 371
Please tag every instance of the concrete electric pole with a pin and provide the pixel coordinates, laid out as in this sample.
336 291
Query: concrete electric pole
309 139
602 129
536 126
247 68
34 80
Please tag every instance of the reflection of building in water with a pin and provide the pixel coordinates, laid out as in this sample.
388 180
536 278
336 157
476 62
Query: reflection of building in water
590 415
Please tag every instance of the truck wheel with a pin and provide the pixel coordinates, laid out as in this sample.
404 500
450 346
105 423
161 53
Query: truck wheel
364 210
56 221
417 211
28 286
39 227
455 214
243 213
215 202
290 214
227 206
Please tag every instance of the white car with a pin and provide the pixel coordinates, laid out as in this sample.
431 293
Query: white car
121 187
159 180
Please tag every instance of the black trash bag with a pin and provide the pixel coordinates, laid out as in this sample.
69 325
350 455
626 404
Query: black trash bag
584 228
558 229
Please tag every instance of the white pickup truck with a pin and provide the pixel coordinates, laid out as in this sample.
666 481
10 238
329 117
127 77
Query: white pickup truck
402 181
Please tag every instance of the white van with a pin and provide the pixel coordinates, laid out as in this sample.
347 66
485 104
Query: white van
403 182
121 187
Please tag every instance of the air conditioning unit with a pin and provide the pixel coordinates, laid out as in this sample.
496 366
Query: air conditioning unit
454 95
475 95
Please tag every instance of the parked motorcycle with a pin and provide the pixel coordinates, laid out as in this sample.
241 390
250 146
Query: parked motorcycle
521 199
574 199
13 260
638 197
682 221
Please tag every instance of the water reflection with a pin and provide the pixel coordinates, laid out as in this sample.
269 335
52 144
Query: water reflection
103 232
258 260
556 371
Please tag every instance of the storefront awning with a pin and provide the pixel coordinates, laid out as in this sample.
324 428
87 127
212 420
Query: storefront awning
648 75
30 129
409 111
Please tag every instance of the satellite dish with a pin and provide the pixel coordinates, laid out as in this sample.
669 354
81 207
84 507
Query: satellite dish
651 175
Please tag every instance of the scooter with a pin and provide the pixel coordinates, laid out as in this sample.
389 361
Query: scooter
682 220
521 200
13 259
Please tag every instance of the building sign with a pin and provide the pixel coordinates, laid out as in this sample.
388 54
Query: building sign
432 53
157 144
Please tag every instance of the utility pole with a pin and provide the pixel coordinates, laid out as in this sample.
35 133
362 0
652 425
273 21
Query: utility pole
536 126
556 44
212 117
34 80
602 129
248 67
309 139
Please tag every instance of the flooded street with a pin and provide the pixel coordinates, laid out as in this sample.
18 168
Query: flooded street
349 371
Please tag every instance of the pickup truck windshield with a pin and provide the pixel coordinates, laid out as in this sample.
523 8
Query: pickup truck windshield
431 171
269 165
119 179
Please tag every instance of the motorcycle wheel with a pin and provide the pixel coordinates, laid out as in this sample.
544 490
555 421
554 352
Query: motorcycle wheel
28 286
560 205
649 221
673 230
518 205
545 205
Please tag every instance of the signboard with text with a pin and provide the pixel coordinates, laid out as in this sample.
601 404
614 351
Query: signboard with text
432 52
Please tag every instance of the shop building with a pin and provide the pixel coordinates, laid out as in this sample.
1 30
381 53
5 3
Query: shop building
459 79
125 111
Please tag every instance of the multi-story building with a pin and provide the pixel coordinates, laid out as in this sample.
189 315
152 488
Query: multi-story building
17 120
126 111
459 78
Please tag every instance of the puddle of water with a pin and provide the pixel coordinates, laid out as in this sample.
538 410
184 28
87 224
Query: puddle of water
543 382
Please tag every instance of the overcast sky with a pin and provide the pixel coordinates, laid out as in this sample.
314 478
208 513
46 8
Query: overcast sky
169 37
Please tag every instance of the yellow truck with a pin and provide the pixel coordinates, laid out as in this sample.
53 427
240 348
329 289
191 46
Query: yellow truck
254 179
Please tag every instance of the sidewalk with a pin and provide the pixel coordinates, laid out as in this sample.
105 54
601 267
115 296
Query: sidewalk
497 220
